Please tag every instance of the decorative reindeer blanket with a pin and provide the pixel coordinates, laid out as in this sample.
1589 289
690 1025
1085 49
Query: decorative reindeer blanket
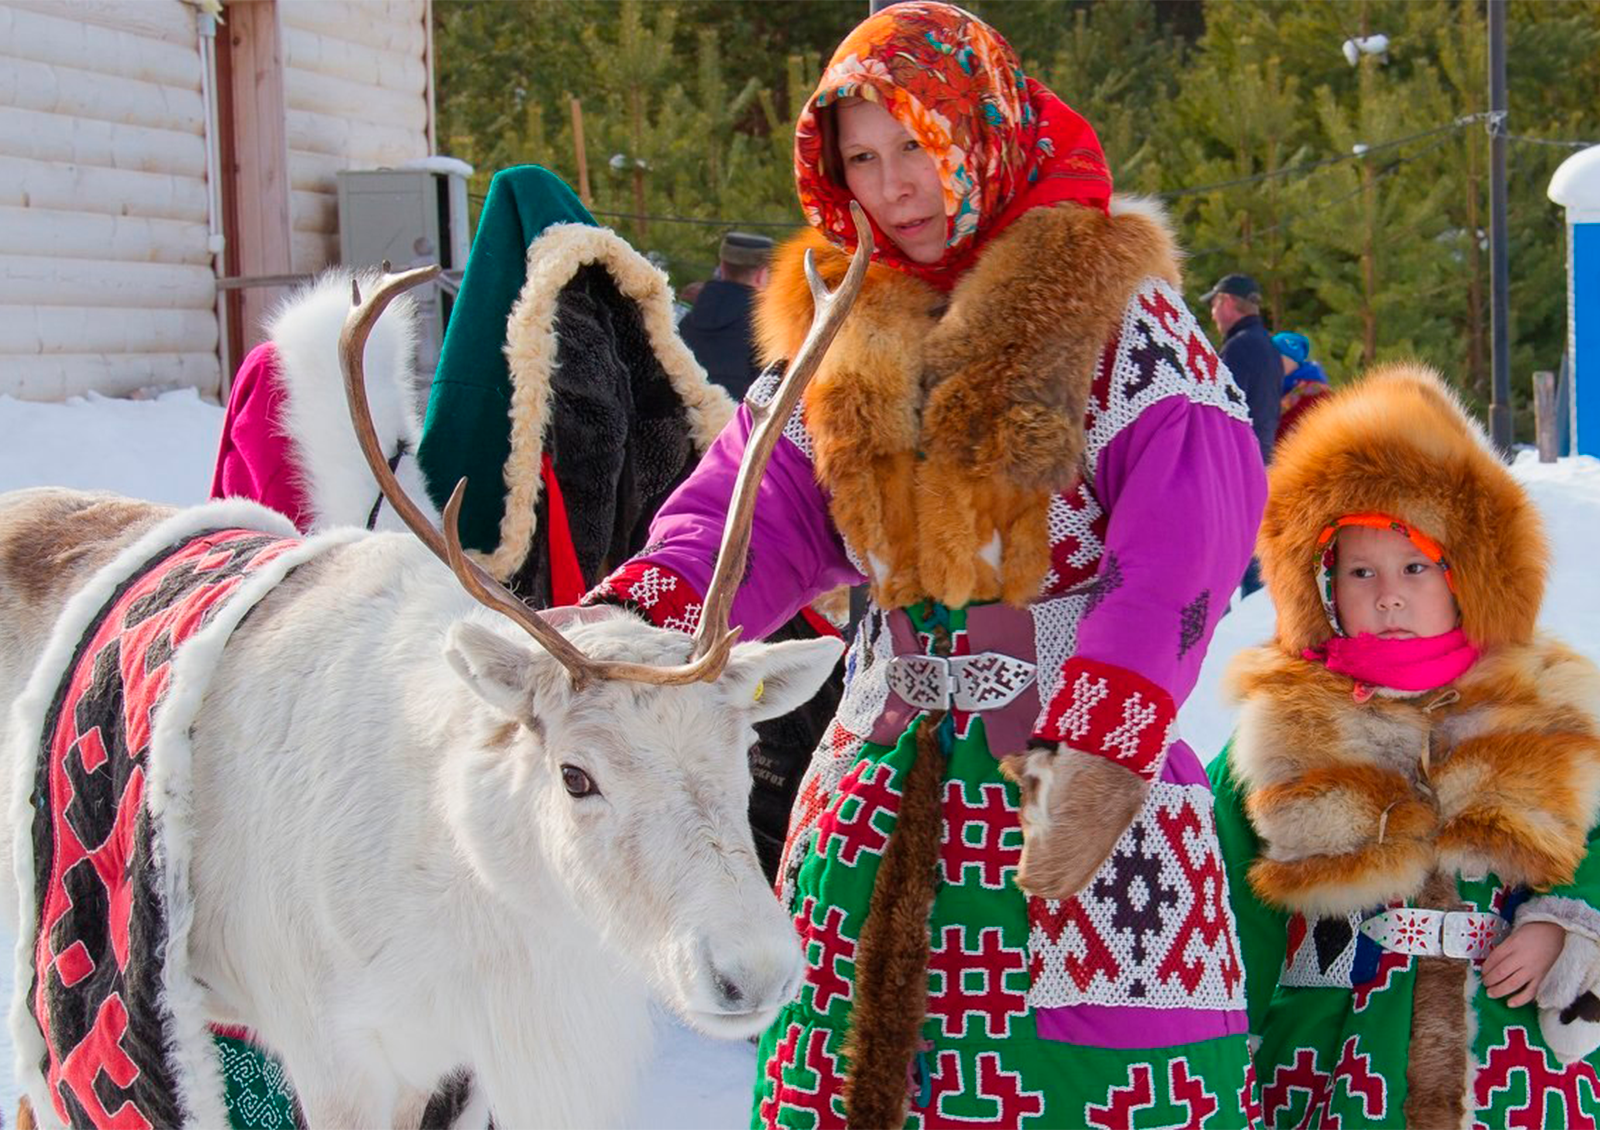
107 1019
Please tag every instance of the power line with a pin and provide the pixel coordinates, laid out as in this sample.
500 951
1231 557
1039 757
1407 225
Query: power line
1550 141
1325 205
1312 166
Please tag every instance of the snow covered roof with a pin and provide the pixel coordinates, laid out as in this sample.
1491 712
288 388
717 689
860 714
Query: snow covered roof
1576 185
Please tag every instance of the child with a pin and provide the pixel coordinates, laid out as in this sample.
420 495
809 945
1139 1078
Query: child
1407 807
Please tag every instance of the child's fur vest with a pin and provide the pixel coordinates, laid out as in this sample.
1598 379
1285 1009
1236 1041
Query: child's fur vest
943 424
1360 803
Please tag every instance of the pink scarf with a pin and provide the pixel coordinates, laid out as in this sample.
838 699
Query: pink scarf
1418 664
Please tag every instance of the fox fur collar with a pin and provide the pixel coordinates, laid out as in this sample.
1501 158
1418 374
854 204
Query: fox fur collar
1357 804
942 425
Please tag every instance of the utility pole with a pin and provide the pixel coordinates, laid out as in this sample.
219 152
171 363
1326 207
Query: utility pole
1499 257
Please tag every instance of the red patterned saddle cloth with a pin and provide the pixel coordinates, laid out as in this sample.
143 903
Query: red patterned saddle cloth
98 988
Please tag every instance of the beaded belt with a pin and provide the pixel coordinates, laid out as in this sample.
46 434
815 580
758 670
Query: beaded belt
1468 934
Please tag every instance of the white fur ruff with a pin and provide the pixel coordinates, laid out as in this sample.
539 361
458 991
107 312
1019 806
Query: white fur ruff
195 1065
339 487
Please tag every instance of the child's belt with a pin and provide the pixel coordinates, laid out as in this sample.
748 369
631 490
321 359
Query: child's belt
1468 934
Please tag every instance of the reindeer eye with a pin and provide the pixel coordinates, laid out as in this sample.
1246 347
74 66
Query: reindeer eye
578 782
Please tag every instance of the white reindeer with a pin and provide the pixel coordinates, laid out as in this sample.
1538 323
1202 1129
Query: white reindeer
423 842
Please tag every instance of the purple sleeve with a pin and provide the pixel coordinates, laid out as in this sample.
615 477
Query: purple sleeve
1184 489
795 552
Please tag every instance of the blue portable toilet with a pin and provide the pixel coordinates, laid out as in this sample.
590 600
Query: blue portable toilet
1576 187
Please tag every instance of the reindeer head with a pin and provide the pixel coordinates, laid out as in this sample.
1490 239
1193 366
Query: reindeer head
620 755
637 797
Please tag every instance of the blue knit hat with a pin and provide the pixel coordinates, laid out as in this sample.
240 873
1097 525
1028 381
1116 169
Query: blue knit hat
1296 347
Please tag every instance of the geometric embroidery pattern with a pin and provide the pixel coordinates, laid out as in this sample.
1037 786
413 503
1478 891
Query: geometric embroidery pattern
794 429
1541 1079
1160 352
1110 711
851 820
1153 928
1192 622
101 925
968 988
805 1078
1301 1075
1077 526
655 592
1183 1090
984 838
1004 1088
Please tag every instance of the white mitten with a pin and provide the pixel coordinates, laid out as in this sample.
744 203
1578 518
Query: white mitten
1569 1000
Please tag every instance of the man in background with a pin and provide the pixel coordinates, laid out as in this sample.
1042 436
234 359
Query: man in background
1248 352
1253 360
717 330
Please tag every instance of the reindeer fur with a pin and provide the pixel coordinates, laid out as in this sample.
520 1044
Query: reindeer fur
387 879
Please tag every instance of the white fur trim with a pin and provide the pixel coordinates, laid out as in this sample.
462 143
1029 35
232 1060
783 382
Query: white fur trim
199 1081
553 259
338 485
1151 208
1573 915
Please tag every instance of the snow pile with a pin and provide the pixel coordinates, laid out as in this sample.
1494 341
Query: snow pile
163 450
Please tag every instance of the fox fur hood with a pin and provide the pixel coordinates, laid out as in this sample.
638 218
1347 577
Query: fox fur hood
1399 443
943 424
1359 802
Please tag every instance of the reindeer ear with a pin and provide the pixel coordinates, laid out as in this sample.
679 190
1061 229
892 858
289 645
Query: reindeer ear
508 675
775 678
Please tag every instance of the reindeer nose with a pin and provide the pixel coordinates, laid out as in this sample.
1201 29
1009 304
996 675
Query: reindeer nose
729 995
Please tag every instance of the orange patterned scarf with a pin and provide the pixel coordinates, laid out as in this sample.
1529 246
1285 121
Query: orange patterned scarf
1002 142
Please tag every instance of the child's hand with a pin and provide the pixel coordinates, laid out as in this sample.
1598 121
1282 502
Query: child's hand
1518 964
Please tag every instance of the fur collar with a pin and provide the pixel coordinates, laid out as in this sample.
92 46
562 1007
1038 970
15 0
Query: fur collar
943 425
1356 804
552 260
337 484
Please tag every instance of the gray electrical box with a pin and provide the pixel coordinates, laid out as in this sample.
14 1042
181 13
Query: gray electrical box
410 217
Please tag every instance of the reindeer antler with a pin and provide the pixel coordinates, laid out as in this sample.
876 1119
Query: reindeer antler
828 314
713 640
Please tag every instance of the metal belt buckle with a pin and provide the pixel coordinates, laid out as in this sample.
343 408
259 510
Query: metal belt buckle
1472 934
1407 929
922 680
988 680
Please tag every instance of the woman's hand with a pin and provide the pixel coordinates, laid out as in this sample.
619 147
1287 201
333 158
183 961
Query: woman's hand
1518 964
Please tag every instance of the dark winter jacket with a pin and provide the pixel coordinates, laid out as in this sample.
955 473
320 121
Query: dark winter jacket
1253 360
717 332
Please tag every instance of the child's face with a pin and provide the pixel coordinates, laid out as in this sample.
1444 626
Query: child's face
1385 585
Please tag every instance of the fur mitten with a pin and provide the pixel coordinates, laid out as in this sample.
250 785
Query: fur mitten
1569 1000
1075 807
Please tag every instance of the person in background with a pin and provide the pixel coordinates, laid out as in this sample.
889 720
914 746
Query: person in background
1303 380
1248 352
1251 357
717 328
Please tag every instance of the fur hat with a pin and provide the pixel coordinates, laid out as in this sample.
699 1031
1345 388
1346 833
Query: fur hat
1399 443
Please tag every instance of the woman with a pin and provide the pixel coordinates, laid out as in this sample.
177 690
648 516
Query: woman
1023 441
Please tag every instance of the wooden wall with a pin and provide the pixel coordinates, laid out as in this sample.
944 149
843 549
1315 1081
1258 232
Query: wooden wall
106 277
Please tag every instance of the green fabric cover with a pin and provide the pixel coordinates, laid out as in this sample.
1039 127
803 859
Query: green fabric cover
467 432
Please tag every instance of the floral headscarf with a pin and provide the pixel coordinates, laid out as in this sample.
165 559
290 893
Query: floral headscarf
1002 142
1327 557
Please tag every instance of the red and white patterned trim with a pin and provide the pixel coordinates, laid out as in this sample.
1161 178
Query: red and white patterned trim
1154 928
1160 351
1110 712
1077 524
655 592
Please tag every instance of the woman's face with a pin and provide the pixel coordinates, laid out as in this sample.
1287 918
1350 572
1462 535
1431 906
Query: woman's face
893 178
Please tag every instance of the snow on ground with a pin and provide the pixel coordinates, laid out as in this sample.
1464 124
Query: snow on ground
163 450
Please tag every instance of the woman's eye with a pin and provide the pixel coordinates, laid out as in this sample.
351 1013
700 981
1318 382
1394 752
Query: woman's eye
577 782
859 158
911 145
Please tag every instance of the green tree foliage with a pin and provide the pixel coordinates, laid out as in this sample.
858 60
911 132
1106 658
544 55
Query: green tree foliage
1357 195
